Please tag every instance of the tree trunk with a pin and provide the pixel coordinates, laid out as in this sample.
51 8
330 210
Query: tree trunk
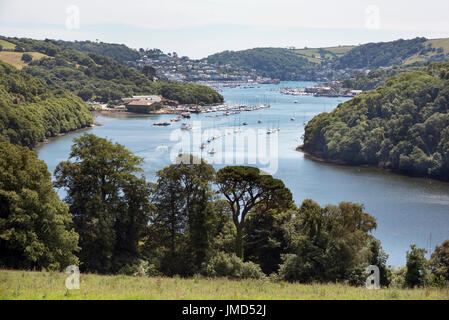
239 243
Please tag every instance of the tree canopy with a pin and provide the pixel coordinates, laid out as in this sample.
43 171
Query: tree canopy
327 244
35 225
30 112
247 188
109 202
119 52
402 125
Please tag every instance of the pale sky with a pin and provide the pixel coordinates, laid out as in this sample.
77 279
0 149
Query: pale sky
198 28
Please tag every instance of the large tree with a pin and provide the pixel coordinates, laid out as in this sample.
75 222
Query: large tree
35 226
327 244
264 238
246 189
184 213
439 261
109 202
417 264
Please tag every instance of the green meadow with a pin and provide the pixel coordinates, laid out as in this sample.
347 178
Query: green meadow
20 285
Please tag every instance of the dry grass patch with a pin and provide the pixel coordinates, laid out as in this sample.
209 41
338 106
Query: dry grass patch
15 58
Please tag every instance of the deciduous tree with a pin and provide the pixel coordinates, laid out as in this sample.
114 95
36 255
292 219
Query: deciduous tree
109 202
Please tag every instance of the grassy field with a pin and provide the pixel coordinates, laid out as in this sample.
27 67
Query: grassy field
51 285
15 58
7 45
313 54
440 43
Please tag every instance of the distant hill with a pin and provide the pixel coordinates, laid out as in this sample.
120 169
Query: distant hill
318 63
119 52
403 125
284 64
92 76
400 52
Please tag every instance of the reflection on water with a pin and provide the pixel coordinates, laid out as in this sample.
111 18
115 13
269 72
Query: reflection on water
407 209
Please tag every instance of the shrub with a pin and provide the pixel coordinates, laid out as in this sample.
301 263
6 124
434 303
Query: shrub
231 266
26 57
140 268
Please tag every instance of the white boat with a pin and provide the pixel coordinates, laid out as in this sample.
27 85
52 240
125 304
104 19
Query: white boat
259 121
293 119
186 126
296 101
203 146
176 119
212 151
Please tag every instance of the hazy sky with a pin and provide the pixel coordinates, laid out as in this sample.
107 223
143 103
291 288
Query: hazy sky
200 27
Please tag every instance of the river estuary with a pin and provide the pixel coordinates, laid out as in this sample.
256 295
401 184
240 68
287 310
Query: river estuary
408 210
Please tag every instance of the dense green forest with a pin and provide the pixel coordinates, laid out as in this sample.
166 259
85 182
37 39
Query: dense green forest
30 112
119 52
277 63
382 54
96 77
403 125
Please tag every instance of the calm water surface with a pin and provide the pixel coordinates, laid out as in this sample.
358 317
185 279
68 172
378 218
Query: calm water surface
408 210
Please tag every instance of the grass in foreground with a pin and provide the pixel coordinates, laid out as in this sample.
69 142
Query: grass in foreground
51 285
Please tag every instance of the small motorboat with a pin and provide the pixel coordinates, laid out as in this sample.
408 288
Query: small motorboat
203 146
293 119
186 126
176 119
245 123
212 151
259 121
296 101
162 124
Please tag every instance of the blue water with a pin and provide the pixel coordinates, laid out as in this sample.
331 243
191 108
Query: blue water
407 209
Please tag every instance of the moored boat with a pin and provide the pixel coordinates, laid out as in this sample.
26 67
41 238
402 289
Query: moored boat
162 124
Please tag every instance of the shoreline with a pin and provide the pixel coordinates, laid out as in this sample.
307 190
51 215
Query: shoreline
49 139
317 158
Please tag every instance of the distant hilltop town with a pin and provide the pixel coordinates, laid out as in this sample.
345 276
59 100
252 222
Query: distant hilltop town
171 67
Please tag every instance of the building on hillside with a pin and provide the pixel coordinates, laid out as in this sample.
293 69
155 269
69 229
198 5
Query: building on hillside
142 106
152 98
